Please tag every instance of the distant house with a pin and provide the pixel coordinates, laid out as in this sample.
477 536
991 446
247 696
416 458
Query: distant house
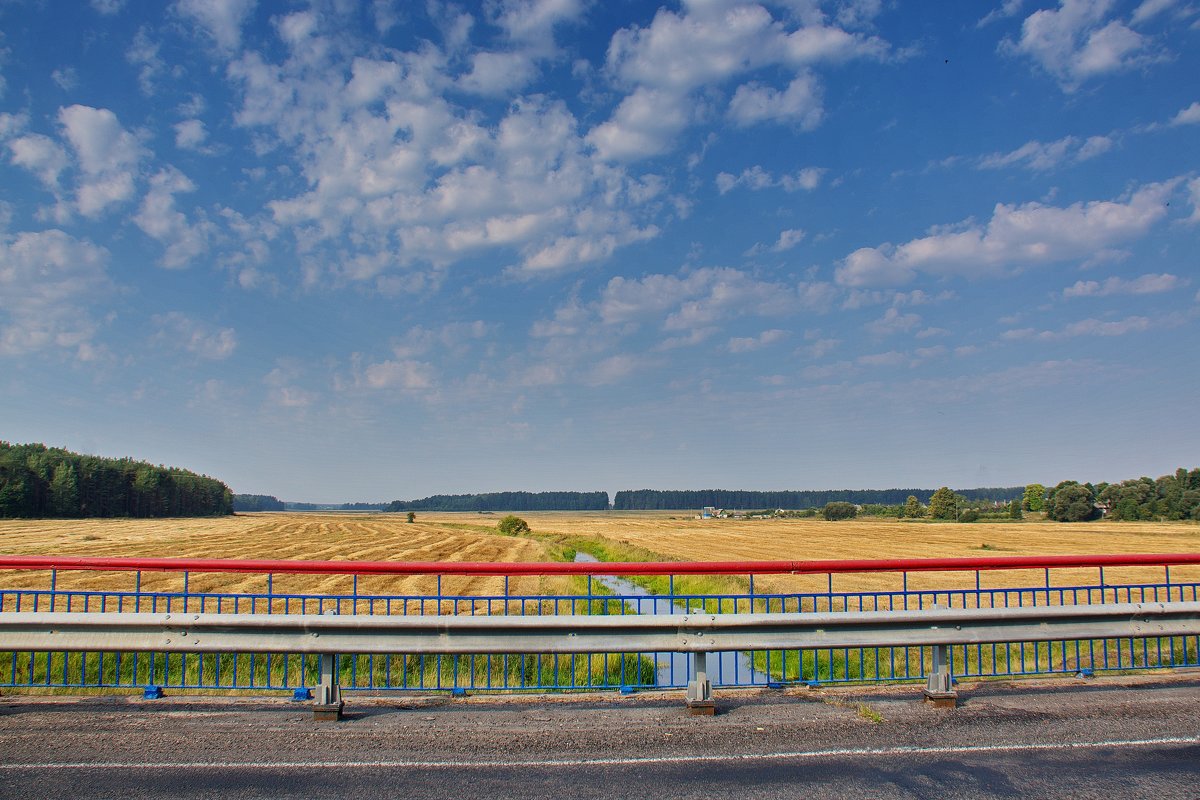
709 512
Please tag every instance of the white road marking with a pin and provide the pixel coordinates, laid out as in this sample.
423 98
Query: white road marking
617 762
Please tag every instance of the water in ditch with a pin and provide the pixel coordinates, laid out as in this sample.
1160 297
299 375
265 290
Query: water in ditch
674 669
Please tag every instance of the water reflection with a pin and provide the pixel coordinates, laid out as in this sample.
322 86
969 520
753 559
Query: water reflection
724 669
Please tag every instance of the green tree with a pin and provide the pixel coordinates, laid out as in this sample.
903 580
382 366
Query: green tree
412 517
1070 502
838 510
512 525
942 504
1014 510
1035 497
913 507
64 492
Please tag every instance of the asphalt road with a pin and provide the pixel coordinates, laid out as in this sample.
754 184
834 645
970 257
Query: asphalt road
1107 738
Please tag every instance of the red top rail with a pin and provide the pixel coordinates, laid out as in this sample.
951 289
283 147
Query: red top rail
284 567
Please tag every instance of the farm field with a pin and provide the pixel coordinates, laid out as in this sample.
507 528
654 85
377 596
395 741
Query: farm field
308 536
687 538
673 535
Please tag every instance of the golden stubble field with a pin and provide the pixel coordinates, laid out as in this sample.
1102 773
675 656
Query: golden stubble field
307 536
677 535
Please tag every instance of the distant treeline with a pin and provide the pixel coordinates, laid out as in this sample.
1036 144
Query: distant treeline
40 481
657 499
506 501
267 502
257 502
291 506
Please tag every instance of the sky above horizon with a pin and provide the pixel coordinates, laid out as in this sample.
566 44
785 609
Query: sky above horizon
360 251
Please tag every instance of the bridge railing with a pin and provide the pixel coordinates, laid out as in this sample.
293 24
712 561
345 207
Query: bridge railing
225 586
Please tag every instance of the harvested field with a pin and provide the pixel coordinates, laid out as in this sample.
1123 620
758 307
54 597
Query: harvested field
684 537
351 537
677 535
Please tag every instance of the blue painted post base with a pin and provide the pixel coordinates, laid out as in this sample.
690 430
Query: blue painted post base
152 693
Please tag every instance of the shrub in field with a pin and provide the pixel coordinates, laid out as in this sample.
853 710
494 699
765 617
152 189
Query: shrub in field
512 525
970 515
836 511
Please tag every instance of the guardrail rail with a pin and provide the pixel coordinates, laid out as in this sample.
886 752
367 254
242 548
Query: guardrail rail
181 624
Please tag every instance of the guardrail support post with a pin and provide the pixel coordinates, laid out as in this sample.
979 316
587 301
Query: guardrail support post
328 704
940 688
699 689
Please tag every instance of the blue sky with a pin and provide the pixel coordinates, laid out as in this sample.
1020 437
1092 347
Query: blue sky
362 251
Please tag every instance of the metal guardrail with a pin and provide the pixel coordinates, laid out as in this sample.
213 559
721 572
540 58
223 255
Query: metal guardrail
687 633
699 634
97 585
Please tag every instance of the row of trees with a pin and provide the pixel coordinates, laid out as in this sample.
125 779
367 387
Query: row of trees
257 502
655 499
40 481
506 501
1169 497
943 504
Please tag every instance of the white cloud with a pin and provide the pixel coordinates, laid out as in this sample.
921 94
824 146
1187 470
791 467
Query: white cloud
746 344
1015 238
1075 42
645 124
405 374
190 135
1009 8
1145 284
1194 192
221 19
454 337
891 358
65 78
46 281
159 219
756 179
417 182
108 7
709 44
498 73
40 155
108 156
893 322
820 347
800 103
615 369
1187 116
532 22
700 298
181 332
1149 9
1040 156
788 239
1085 327
144 53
